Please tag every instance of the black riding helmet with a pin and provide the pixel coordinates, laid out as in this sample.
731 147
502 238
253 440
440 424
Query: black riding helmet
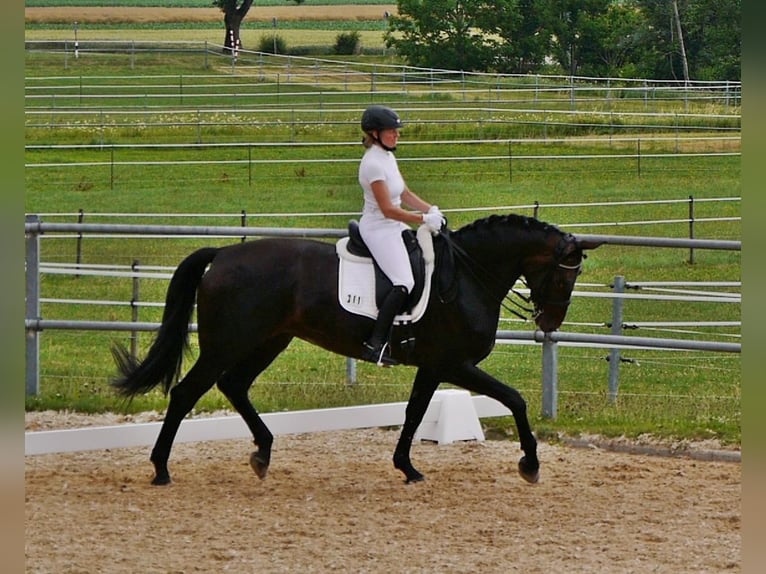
378 117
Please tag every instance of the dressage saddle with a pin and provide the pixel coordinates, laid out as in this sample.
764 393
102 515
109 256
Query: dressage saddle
383 284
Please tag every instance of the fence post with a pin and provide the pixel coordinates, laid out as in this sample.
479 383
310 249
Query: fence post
571 92
78 254
32 351
372 80
614 353
510 162
243 223
134 311
691 228
550 381
350 371
250 166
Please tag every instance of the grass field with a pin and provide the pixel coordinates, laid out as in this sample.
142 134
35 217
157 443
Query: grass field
677 394
305 25
187 3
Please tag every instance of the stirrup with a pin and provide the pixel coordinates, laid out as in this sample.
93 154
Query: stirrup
378 355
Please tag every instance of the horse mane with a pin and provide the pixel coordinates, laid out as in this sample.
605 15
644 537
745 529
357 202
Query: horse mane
512 220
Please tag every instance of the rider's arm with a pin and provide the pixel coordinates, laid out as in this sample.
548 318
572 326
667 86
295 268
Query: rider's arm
411 200
380 191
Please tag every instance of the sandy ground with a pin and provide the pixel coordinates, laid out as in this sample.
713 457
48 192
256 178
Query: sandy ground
262 13
333 501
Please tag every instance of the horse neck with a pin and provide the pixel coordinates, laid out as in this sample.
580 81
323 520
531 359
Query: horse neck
499 246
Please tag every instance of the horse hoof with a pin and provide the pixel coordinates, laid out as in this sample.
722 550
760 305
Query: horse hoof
259 465
531 475
416 478
161 480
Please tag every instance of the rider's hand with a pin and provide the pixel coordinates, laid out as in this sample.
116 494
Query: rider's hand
433 221
435 209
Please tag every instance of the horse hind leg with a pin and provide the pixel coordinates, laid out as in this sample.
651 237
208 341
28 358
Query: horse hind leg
200 379
234 384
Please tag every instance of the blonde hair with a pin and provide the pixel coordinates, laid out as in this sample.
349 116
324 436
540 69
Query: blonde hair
369 140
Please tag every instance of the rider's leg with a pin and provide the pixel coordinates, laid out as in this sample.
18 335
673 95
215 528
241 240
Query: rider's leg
376 347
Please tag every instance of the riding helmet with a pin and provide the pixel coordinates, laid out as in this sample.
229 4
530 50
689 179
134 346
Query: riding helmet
378 117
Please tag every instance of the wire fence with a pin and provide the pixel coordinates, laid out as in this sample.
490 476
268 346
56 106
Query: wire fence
259 72
274 117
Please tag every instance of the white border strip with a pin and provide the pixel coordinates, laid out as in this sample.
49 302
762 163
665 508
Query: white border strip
233 427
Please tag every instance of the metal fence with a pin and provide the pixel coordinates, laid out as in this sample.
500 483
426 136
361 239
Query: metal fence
34 323
280 72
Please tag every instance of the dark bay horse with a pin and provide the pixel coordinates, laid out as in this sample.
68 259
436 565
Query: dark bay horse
254 297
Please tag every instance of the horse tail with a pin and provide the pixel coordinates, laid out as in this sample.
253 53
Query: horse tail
162 363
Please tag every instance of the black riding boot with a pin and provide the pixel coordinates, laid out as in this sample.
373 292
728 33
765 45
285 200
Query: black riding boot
376 348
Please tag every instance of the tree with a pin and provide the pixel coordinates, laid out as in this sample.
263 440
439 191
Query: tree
234 12
712 38
613 42
519 35
576 30
442 34
471 35
659 39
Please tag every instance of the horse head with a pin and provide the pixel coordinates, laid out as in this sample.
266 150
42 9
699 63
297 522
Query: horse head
551 276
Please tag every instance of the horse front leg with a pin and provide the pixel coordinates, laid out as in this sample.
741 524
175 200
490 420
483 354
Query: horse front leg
475 380
423 389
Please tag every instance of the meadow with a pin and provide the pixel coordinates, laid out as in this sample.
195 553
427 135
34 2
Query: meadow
272 157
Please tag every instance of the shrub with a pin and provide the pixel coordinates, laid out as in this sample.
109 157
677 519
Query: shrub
272 44
347 43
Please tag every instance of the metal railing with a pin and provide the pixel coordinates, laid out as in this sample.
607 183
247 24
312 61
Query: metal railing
34 323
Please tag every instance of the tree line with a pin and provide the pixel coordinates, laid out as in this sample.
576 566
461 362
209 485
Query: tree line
655 39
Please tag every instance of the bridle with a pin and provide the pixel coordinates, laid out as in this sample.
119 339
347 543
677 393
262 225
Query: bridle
487 280
561 252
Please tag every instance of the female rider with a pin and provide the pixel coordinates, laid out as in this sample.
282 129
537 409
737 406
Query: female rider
383 220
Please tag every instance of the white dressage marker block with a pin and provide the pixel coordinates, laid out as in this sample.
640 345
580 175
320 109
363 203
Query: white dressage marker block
456 419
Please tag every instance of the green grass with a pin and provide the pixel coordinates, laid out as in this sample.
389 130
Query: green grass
671 394
182 29
186 3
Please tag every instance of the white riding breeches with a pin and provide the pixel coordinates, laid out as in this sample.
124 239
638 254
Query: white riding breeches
384 240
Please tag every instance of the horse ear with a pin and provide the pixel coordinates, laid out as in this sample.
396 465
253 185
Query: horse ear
585 244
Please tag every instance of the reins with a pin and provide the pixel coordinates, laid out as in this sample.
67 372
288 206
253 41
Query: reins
474 267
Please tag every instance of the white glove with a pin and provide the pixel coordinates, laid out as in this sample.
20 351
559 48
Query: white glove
433 221
435 209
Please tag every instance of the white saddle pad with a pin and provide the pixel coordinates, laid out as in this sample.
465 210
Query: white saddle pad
356 280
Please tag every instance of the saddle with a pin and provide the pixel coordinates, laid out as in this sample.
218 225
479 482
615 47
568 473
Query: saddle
362 285
383 285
